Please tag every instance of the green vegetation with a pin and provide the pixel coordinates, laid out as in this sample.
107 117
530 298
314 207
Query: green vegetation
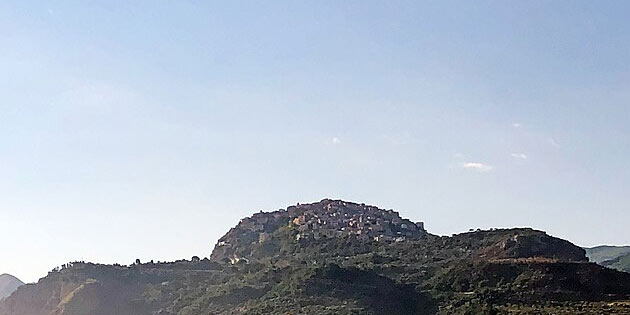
511 271
600 254
615 257
621 263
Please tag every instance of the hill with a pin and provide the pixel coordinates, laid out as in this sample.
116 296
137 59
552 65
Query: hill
336 257
621 263
8 285
615 257
602 253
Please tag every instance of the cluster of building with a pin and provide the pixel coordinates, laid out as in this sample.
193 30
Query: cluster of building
339 219
324 219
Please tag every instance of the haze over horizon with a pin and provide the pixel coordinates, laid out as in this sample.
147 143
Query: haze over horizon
148 129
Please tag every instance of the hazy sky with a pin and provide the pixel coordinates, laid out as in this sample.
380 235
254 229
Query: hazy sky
147 130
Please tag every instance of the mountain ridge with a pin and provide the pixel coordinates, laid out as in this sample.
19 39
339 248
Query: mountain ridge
615 257
306 260
602 253
621 263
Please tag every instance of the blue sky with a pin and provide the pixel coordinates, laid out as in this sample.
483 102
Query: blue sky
147 129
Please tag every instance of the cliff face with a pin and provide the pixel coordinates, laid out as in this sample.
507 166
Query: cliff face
336 257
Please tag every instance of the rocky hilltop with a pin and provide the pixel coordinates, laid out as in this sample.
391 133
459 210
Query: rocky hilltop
337 257
326 219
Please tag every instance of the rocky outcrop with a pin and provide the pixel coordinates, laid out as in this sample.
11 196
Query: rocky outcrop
525 243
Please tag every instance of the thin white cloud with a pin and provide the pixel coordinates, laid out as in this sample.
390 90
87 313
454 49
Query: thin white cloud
521 156
477 166
553 142
517 125
458 155
335 140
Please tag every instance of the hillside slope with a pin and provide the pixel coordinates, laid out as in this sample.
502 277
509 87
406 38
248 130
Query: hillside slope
621 263
8 285
336 257
602 253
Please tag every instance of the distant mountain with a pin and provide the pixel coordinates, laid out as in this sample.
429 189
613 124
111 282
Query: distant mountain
8 285
342 258
615 257
621 263
602 253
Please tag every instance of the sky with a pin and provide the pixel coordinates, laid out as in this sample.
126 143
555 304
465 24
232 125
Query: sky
147 129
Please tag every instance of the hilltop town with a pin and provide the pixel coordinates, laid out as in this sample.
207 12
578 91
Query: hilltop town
325 219
337 257
339 218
